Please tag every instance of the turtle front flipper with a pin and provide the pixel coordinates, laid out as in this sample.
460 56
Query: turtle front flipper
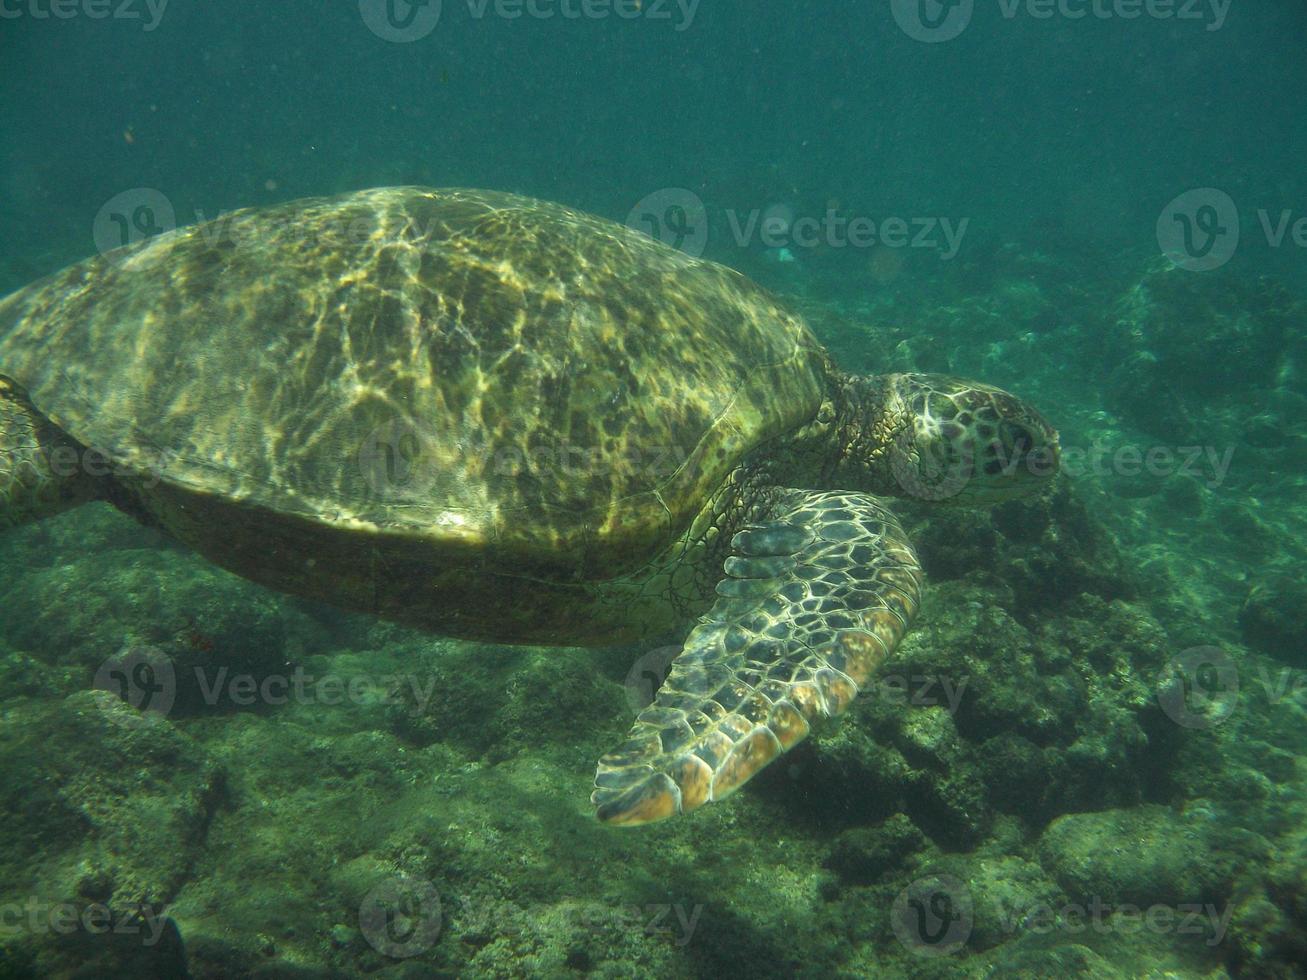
41 470
812 603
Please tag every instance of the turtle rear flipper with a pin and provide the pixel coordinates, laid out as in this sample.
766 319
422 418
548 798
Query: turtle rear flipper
812 603
42 471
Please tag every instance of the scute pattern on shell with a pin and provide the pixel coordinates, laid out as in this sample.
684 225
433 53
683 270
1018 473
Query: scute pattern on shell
500 373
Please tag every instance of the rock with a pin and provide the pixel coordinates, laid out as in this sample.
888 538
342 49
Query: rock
1274 618
114 803
1266 927
1139 391
209 623
1006 892
861 855
1052 956
1018 775
1211 333
1264 431
104 811
1143 856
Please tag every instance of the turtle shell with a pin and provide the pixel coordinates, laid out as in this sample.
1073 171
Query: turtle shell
453 366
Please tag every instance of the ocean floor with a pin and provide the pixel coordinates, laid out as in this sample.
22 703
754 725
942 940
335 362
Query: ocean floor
1086 760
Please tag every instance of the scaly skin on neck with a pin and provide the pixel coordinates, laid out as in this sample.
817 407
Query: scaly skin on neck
928 437
869 417
31 485
844 447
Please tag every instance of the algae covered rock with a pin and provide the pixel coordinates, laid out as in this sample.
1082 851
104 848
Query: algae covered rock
102 814
1053 956
862 855
1035 553
1139 389
1197 356
78 615
1143 856
1274 618
1007 893
488 700
1269 923
1211 333
115 801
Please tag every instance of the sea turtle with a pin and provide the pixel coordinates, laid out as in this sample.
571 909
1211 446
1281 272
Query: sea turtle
495 417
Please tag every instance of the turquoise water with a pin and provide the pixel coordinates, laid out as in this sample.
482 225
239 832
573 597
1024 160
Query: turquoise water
1083 760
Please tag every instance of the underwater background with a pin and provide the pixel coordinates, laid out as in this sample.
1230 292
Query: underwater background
1087 758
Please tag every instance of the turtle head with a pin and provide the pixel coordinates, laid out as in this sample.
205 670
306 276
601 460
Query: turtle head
939 438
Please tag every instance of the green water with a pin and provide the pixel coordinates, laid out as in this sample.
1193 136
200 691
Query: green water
1085 758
